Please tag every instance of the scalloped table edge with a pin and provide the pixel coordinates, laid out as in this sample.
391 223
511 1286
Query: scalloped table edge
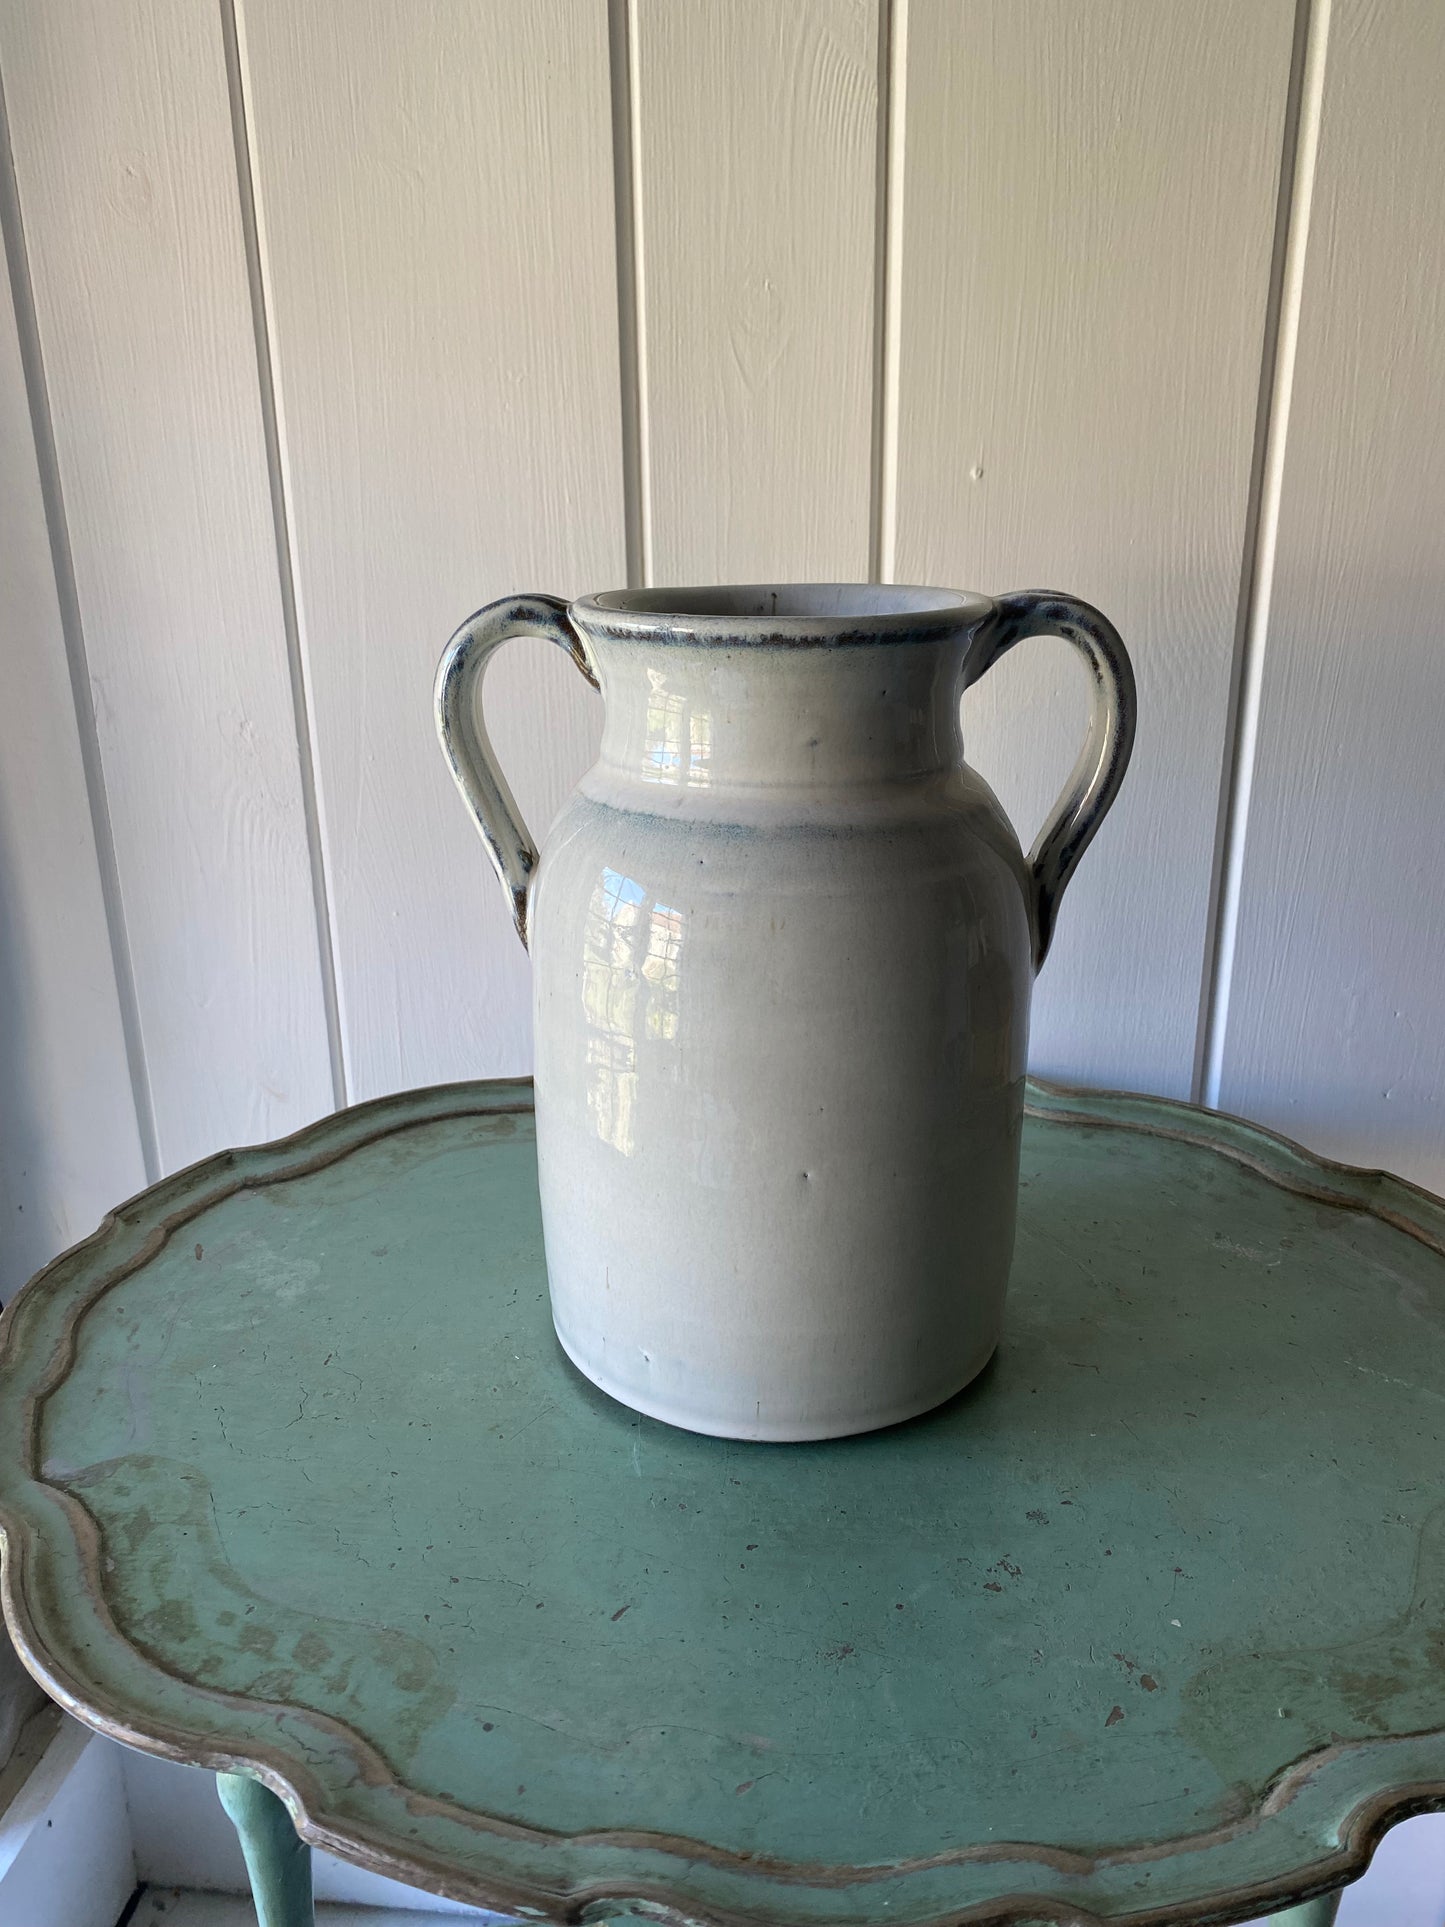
637 1872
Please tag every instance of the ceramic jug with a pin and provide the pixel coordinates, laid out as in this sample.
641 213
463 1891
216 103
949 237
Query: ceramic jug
782 941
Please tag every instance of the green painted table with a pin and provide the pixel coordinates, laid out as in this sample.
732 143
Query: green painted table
1147 1626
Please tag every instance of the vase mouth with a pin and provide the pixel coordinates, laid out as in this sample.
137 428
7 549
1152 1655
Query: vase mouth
796 613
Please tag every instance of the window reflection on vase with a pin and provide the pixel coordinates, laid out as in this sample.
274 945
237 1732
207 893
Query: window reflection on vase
630 975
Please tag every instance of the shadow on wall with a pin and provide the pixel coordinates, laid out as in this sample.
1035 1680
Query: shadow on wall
29 1234
26 1241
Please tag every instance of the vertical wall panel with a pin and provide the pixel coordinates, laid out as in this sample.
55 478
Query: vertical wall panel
1088 201
1083 199
127 184
69 1145
756 197
1336 1019
435 198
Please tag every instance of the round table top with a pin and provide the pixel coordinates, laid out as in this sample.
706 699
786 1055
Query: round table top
1147 1623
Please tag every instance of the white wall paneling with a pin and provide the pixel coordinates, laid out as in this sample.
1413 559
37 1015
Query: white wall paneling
121 132
41 1759
72 1864
1336 1013
1087 204
69 1142
435 200
755 154
976 291
70 1137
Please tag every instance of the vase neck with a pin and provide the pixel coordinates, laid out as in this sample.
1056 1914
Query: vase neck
695 716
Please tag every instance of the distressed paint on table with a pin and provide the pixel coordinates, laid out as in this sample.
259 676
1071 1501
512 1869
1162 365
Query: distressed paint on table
1146 1625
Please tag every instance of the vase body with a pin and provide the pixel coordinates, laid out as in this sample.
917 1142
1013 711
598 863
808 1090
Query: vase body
783 941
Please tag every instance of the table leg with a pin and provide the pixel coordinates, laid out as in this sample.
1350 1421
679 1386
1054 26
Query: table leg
277 1859
1309 1913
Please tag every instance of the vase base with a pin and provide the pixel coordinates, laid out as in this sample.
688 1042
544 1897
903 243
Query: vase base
799 1431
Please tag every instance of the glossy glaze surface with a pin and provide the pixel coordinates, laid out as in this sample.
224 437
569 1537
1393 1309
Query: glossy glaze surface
783 941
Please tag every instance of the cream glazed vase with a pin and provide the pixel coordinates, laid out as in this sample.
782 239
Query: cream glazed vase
782 940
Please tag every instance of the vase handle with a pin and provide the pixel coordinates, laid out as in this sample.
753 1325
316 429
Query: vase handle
463 734
1105 756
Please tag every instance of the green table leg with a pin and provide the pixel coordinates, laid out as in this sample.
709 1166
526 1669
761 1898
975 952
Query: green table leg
1309 1913
277 1859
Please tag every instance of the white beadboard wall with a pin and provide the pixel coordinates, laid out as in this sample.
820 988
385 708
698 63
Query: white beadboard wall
1336 997
1087 200
324 324
434 197
131 228
332 323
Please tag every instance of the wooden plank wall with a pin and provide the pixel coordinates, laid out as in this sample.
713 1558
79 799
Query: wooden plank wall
1088 200
1336 1013
120 128
435 198
70 1144
332 323
755 189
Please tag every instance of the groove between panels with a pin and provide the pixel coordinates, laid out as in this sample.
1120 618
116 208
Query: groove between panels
887 286
285 547
12 234
1281 340
626 77
629 293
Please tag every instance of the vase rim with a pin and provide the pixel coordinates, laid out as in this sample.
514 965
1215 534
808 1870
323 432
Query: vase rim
783 612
